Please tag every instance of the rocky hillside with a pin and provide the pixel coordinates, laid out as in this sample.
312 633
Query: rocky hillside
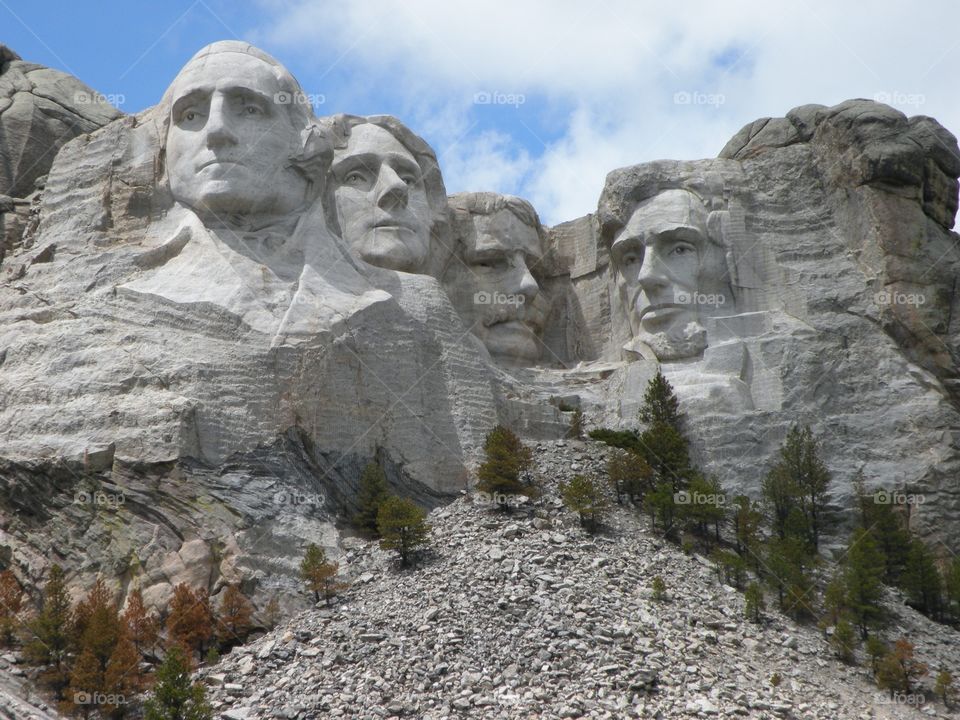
524 615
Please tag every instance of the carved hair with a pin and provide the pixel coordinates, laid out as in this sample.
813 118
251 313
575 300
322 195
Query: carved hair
489 203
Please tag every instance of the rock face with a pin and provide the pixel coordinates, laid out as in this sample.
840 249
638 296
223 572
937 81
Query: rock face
228 306
524 615
40 111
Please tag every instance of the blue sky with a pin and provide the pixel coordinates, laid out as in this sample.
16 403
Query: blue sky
540 98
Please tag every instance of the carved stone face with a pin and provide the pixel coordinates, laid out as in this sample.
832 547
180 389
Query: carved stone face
669 273
381 200
492 288
230 142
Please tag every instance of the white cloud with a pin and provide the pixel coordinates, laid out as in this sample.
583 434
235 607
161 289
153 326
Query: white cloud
607 75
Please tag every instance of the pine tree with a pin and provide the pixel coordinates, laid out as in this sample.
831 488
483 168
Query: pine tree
660 404
174 697
789 568
921 580
234 619
507 459
704 506
899 670
664 444
834 599
86 680
747 518
142 627
876 650
887 526
863 580
753 602
50 633
97 623
403 527
320 574
190 622
122 678
629 475
585 496
796 488
11 602
373 491
945 688
844 641
660 504
576 425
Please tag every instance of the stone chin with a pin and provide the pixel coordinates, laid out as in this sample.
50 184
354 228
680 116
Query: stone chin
512 341
678 343
394 248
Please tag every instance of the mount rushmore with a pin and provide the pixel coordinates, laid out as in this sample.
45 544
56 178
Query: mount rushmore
215 312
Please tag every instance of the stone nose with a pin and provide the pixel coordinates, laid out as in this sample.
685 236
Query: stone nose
391 190
218 130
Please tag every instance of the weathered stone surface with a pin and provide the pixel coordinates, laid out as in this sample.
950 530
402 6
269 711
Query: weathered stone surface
196 366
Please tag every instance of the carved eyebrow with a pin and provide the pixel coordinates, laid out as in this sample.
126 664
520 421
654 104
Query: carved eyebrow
191 97
245 93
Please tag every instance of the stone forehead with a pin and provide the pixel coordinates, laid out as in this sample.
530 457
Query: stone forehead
674 206
502 229
369 137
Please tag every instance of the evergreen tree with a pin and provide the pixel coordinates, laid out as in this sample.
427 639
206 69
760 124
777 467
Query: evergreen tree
190 622
921 580
863 580
142 627
373 491
320 574
660 504
50 633
753 602
11 602
885 522
834 600
507 459
945 688
747 519
899 670
622 439
629 475
174 697
844 641
660 404
234 619
705 505
122 679
97 623
796 488
576 425
789 567
86 681
403 527
876 650
664 443
585 496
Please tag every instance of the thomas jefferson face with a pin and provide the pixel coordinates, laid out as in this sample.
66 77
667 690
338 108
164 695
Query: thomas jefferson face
666 267
229 141
381 200
493 289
